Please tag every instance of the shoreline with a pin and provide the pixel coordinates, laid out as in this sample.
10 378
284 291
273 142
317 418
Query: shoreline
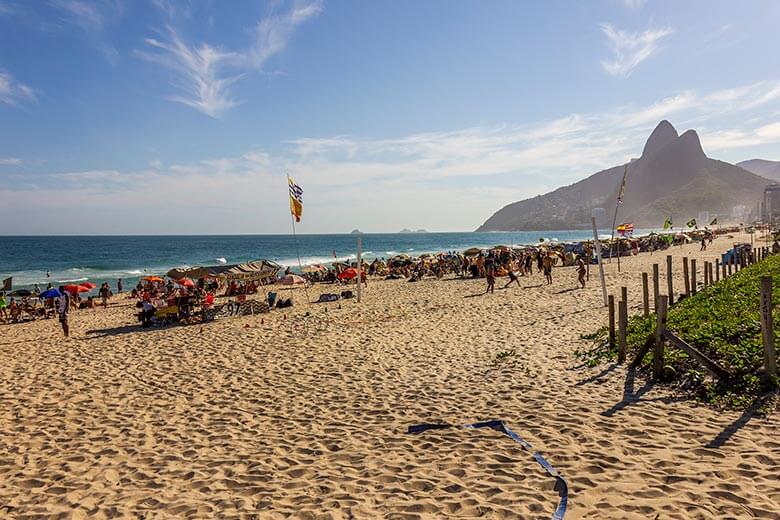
132 275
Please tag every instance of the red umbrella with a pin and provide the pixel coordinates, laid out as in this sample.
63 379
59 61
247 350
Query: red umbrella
186 282
350 273
76 289
89 285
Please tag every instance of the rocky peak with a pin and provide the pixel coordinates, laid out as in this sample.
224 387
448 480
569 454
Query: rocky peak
663 134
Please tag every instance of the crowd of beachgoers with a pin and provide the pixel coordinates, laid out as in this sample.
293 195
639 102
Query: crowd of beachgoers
182 299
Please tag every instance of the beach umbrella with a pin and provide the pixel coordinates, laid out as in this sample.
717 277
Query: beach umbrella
291 279
51 293
152 279
472 251
186 282
89 285
316 268
350 273
73 289
20 292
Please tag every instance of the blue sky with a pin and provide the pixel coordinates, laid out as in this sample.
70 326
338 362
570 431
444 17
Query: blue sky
155 116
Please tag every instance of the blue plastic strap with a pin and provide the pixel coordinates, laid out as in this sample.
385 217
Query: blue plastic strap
560 483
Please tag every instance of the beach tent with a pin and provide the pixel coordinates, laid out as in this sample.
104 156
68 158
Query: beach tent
291 279
254 270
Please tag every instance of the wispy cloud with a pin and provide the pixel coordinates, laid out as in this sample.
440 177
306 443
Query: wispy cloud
629 49
204 73
12 92
633 4
10 161
91 17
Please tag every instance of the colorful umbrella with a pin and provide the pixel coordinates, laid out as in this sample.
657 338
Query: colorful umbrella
51 293
89 285
73 289
152 279
350 273
186 282
291 279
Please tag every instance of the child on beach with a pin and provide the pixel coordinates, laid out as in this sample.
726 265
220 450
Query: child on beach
547 263
581 270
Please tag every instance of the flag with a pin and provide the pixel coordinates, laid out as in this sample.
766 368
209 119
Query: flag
296 199
8 283
622 191
714 222
626 229
691 223
668 223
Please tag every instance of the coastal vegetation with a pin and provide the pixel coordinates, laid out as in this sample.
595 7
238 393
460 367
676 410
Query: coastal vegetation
723 322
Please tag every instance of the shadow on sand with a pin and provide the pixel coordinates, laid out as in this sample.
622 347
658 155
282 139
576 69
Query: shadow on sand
741 421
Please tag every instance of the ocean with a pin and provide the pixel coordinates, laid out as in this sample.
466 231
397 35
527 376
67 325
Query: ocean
76 259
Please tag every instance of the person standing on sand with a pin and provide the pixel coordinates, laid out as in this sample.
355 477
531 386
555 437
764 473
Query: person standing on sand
63 310
581 271
119 286
529 261
540 255
490 275
547 263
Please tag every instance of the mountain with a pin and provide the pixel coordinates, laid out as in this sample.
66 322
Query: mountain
672 178
762 167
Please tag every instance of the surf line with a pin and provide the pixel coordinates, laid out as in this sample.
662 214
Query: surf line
560 483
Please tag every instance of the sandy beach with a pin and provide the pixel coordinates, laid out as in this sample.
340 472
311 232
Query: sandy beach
304 414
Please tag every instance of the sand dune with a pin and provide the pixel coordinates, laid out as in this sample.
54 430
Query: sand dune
304 414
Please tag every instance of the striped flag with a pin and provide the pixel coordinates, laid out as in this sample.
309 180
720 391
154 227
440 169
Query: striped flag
296 199
622 191
668 223
626 229
691 223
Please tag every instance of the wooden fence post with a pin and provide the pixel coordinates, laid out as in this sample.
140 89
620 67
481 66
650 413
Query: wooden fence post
770 361
706 274
717 270
624 294
686 276
611 307
693 276
669 281
729 262
645 296
710 264
622 332
655 286
658 349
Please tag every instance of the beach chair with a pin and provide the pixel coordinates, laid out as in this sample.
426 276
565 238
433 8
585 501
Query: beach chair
167 315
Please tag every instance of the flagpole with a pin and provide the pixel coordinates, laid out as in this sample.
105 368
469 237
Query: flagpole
614 219
295 241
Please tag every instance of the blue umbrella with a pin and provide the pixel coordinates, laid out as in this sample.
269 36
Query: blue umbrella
51 293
